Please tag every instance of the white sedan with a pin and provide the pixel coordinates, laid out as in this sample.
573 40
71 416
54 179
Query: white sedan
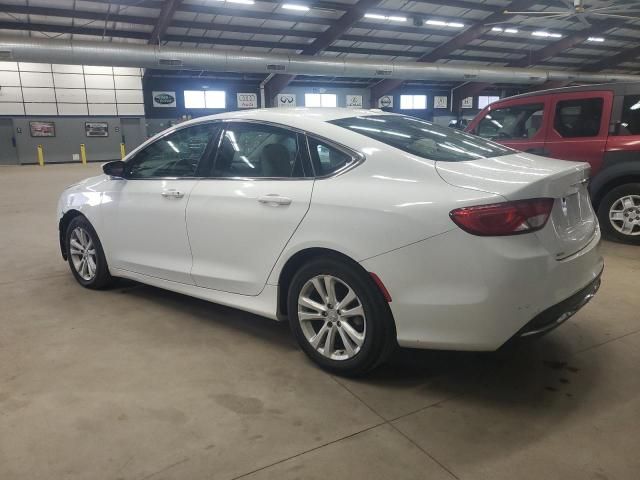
365 230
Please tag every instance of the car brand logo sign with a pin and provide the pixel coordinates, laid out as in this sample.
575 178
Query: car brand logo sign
247 100
385 102
354 101
164 99
286 100
439 101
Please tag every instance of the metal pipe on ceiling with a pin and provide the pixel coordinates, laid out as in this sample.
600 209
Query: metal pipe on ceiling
24 49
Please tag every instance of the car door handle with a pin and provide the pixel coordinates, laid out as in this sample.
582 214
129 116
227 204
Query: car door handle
172 194
274 200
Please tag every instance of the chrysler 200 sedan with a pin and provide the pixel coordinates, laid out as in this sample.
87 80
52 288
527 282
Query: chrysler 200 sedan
365 230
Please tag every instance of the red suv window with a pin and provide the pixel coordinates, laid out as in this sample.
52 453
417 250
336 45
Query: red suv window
630 120
510 123
578 118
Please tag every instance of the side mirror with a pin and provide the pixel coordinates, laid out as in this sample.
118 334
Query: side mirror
114 169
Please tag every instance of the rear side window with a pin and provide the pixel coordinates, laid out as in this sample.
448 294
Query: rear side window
519 122
250 150
422 138
327 159
578 118
630 121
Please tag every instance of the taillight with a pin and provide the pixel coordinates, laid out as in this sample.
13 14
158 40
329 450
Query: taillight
508 218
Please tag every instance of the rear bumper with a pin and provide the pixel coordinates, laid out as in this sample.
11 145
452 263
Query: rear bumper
461 292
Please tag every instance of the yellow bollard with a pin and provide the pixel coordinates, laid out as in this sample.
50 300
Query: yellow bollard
123 151
83 154
40 156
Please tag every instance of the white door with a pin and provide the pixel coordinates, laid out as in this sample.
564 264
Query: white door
145 222
240 219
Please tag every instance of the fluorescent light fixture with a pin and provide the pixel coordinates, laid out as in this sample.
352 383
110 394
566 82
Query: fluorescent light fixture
243 2
393 18
299 8
510 30
595 39
496 29
441 23
540 33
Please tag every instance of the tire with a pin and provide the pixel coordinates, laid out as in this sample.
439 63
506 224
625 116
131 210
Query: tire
81 234
613 202
374 330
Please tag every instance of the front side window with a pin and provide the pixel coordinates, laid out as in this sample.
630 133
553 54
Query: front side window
259 151
327 159
175 155
519 122
422 138
630 121
578 118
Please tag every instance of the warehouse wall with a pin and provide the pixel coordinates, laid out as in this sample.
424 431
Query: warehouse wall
70 133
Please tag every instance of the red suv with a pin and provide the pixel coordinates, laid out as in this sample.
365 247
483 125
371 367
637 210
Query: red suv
599 124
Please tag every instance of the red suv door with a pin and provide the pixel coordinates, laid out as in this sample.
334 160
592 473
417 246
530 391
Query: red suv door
519 123
579 126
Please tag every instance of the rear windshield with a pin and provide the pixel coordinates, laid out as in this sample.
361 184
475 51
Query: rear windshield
423 138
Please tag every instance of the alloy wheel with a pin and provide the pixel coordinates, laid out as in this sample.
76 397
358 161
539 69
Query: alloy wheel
331 317
83 253
624 215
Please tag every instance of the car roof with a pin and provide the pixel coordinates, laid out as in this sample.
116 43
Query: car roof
622 88
299 117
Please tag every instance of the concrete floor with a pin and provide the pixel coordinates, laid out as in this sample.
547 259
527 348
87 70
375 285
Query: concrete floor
138 383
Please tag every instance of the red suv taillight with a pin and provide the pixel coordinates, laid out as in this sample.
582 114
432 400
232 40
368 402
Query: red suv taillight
508 218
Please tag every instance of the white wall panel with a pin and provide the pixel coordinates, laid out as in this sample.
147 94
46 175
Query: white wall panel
34 67
129 96
68 80
67 69
128 83
91 70
10 94
12 108
99 81
40 109
71 95
127 71
43 95
10 79
10 66
73 109
35 79
130 109
102 109
101 96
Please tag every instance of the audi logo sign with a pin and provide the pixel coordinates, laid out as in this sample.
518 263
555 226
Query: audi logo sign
164 99
247 100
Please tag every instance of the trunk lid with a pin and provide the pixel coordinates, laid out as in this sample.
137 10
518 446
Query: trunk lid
521 176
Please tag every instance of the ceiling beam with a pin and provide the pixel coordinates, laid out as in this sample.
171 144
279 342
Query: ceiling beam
459 41
326 38
615 60
164 21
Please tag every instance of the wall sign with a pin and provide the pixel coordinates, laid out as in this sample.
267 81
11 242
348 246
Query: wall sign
286 100
96 129
385 101
354 101
42 129
440 101
164 99
247 100
467 102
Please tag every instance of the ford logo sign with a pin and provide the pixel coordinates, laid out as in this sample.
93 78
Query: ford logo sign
164 99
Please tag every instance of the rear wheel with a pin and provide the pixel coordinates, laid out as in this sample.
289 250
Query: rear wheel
85 255
619 213
339 317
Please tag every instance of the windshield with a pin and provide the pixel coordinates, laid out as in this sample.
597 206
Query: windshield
423 138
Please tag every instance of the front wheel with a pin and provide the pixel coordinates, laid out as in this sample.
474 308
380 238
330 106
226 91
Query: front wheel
339 317
85 255
619 213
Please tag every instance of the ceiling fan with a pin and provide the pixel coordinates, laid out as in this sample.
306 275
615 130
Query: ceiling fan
578 10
